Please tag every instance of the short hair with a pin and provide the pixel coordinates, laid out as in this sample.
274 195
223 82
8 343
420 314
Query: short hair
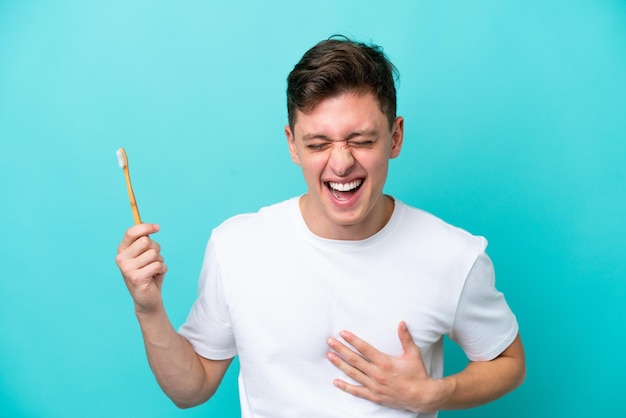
340 65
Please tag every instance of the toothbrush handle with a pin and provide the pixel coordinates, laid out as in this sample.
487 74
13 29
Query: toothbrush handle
131 196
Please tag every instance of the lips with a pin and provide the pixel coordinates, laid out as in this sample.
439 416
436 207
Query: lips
343 191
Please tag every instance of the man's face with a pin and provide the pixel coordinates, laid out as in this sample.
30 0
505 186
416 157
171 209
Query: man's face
343 147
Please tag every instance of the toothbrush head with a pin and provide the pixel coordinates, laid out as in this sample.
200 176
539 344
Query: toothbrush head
121 158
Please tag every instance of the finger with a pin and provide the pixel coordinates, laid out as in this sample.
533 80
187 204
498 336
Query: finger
155 268
140 254
368 351
406 339
135 232
346 352
349 361
163 269
348 368
149 256
144 275
411 350
355 390
137 248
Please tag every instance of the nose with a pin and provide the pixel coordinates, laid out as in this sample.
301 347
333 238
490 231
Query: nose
341 160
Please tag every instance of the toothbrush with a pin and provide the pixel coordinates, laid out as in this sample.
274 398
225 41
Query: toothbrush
123 160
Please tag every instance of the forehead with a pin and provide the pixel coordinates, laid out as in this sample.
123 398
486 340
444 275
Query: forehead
340 115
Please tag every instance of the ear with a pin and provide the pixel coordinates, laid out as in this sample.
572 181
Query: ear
397 136
291 141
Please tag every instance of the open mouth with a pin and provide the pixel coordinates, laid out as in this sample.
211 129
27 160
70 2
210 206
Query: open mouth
344 191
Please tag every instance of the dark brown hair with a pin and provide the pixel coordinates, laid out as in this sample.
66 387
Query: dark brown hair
339 65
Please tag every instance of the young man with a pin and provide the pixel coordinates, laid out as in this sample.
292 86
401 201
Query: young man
336 302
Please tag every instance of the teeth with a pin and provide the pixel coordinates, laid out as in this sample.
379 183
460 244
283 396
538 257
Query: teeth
345 187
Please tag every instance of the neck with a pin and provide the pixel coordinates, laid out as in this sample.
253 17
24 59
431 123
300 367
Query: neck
374 221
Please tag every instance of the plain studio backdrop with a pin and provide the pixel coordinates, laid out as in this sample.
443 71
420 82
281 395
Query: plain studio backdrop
515 130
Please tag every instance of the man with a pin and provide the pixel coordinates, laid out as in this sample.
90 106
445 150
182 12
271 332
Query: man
336 302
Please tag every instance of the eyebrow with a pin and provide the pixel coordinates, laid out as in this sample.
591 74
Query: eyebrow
366 133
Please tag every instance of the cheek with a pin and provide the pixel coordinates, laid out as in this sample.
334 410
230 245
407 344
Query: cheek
311 169
374 164
313 162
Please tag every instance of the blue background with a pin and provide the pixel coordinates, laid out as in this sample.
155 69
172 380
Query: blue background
515 130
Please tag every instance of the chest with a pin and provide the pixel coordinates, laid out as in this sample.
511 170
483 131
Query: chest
292 304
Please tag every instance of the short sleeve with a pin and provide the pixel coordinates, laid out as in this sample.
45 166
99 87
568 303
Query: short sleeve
208 327
484 325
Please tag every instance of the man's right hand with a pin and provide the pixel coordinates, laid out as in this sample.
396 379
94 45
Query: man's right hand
142 266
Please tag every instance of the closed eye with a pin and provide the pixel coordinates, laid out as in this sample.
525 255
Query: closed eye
317 146
362 144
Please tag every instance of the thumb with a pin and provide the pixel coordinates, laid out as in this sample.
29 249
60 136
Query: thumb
135 232
408 345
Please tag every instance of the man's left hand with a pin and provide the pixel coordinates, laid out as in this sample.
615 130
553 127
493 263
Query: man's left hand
398 382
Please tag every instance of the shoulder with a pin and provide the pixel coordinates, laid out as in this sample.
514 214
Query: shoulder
250 225
436 232
250 238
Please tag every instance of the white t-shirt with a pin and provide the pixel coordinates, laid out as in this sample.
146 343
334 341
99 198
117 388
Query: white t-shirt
272 292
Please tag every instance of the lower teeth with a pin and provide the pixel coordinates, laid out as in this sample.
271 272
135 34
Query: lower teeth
338 196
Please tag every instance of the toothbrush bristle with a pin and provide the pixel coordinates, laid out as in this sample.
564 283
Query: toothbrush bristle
121 157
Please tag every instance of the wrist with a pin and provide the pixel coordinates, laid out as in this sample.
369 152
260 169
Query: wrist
443 393
436 396
449 385
156 328
149 313
148 309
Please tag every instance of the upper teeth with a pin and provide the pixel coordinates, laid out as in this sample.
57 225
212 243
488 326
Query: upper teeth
344 187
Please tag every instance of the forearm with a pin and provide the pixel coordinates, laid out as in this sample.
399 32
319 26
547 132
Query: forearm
483 382
186 378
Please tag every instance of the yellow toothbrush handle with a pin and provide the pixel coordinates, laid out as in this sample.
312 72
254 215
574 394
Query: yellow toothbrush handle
131 196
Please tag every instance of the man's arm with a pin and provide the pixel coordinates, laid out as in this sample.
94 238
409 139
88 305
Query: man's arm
484 381
187 378
403 382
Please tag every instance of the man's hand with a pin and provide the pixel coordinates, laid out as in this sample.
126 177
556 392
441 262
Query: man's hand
142 266
184 376
397 382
